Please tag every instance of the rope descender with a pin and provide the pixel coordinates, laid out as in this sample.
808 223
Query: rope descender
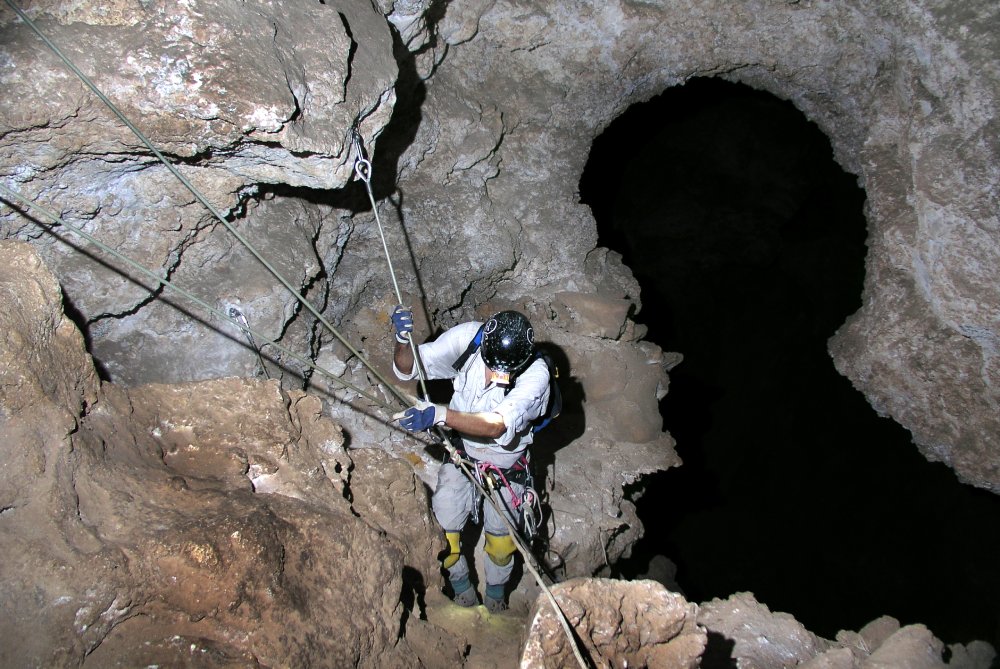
490 473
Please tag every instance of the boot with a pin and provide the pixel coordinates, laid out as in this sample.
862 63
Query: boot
494 600
467 597
465 594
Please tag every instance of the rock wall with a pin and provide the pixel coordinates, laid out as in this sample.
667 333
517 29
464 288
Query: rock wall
202 524
923 348
907 93
646 626
745 633
479 115
242 99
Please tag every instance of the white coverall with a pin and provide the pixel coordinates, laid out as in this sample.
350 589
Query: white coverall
454 497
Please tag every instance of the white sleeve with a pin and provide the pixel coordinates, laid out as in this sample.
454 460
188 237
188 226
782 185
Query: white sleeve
439 355
525 402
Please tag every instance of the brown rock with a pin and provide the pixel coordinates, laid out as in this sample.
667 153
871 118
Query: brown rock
912 647
593 315
192 524
620 623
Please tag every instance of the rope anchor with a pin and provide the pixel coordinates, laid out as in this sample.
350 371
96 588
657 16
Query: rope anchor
237 315
362 167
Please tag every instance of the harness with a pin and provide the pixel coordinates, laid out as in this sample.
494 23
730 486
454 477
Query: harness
525 509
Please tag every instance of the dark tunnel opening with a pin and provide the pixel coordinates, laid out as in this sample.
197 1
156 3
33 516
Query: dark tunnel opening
749 243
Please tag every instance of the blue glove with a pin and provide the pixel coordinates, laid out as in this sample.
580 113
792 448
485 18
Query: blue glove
402 320
422 416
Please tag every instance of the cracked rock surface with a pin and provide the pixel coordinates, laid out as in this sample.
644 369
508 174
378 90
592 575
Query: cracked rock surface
239 98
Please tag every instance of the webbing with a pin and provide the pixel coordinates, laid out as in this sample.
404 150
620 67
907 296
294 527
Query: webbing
487 468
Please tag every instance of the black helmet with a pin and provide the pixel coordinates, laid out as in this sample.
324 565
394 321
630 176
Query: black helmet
508 342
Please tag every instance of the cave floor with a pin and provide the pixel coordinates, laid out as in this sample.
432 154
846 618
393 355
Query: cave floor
493 641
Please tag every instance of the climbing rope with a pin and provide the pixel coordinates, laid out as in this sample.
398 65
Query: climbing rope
201 198
363 168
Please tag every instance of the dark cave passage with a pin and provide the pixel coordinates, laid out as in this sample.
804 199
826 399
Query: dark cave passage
749 244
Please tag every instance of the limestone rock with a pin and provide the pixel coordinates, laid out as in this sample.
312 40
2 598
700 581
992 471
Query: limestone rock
835 658
913 647
620 623
239 98
388 494
593 523
760 638
194 345
48 380
869 637
974 654
206 522
599 315
497 109
501 101
886 86
746 632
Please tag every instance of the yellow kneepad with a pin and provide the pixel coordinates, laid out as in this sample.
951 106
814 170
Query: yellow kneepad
500 548
454 548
